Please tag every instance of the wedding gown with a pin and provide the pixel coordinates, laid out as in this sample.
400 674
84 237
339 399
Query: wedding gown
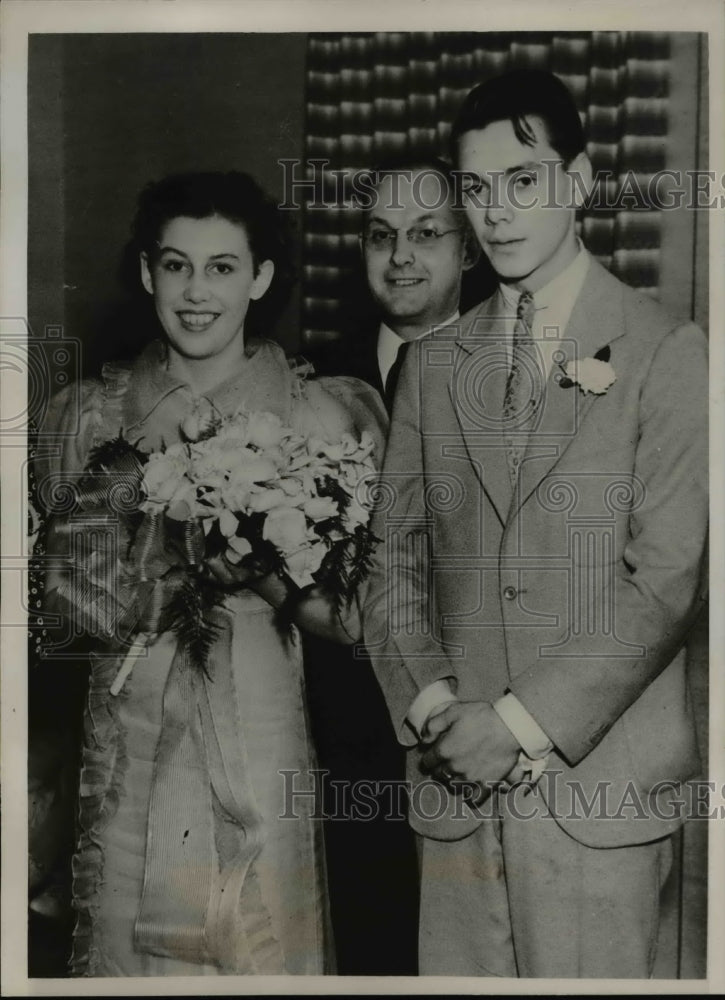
201 849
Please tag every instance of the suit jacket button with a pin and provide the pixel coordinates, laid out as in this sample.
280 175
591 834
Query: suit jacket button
509 593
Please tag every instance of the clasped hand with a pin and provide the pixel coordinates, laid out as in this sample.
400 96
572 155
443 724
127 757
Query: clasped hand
468 743
233 576
311 608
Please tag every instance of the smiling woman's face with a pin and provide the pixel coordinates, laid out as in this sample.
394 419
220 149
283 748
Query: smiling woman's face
202 279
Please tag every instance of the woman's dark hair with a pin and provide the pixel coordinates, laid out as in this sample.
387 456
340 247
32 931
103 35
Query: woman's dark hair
231 195
234 196
129 323
515 96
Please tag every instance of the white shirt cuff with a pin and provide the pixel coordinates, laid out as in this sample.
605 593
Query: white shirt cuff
528 733
434 696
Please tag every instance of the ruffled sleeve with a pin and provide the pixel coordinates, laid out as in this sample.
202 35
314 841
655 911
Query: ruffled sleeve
362 406
56 688
78 418
73 423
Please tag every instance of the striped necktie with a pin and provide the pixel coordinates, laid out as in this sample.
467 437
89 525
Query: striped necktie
524 387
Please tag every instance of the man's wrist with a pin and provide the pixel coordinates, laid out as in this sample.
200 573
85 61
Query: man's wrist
528 734
506 734
432 698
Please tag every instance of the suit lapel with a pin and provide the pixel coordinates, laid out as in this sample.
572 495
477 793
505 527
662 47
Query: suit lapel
477 390
596 320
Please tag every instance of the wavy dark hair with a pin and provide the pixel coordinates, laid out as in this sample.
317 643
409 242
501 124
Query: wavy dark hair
232 195
515 96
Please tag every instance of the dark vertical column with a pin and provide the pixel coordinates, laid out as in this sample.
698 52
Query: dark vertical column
46 183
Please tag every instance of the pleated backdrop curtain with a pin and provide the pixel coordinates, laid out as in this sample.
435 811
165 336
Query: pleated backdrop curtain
376 94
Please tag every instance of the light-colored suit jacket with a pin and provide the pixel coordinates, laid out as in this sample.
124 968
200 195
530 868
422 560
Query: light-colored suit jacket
577 591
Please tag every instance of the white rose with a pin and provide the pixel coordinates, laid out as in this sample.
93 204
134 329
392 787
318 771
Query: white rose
307 480
183 505
302 564
199 420
299 461
352 472
235 496
228 523
318 447
265 430
354 515
252 468
286 527
320 508
591 375
164 474
292 487
267 500
361 451
210 462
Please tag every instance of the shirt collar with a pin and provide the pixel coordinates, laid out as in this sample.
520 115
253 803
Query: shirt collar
389 343
560 293
392 337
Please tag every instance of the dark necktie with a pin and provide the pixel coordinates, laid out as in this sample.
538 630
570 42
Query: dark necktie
524 387
391 382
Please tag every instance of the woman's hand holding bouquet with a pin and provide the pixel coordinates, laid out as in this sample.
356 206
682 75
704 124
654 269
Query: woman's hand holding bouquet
243 501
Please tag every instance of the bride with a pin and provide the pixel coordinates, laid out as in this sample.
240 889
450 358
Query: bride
191 858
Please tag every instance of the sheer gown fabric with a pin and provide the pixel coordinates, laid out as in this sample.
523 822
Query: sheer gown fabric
195 857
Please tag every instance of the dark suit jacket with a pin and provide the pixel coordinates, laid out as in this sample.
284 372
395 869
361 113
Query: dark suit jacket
576 593
355 354
372 863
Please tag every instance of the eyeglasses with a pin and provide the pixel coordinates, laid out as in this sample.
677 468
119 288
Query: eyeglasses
387 239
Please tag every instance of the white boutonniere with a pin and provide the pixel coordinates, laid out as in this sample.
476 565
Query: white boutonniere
593 375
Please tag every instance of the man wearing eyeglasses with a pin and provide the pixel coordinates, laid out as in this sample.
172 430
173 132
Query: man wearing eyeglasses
416 246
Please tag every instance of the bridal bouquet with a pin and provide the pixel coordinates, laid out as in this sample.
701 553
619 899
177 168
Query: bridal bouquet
262 491
264 496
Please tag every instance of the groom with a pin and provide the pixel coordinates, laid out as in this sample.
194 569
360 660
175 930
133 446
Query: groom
544 531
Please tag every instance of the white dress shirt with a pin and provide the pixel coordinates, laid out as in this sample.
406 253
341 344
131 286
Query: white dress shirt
553 305
389 343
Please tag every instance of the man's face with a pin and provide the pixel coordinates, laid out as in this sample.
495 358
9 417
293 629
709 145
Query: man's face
521 201
416 285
